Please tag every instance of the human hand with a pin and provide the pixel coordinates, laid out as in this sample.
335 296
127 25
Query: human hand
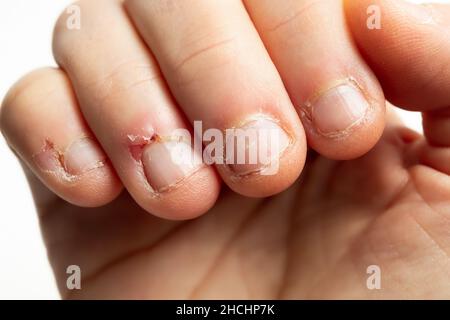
316 239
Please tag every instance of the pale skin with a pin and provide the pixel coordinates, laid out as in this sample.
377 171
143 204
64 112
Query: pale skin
347 194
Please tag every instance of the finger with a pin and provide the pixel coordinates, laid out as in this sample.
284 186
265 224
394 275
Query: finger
409 50
336 94
410 54
220 73
128 107
42 123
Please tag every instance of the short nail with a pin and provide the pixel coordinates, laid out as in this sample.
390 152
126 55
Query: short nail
261 144
83 155
338 109
167 163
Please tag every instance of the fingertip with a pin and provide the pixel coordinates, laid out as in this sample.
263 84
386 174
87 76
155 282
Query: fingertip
91 190
279 175
190 199
346 119
407 47
41 122
355 141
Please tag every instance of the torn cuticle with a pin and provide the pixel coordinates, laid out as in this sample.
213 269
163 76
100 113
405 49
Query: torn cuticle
62 164
48 158
137 143
152 154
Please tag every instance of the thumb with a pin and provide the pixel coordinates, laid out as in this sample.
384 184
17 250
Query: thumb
408 48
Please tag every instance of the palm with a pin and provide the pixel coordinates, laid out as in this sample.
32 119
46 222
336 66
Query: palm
314 240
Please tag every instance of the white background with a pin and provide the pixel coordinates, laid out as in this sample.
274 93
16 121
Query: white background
25 40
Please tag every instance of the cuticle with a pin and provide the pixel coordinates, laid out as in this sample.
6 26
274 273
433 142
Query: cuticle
62 171
146 141
306 108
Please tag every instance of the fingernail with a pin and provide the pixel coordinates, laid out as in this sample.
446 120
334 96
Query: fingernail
256 145
83 155
167 163
338 109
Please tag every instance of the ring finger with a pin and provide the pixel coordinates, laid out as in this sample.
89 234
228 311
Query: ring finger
337 96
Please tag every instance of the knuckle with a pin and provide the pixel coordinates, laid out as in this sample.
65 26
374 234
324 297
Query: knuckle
25 95
69 31
61 22
122 79
162 7
60 31
288 24
199 58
